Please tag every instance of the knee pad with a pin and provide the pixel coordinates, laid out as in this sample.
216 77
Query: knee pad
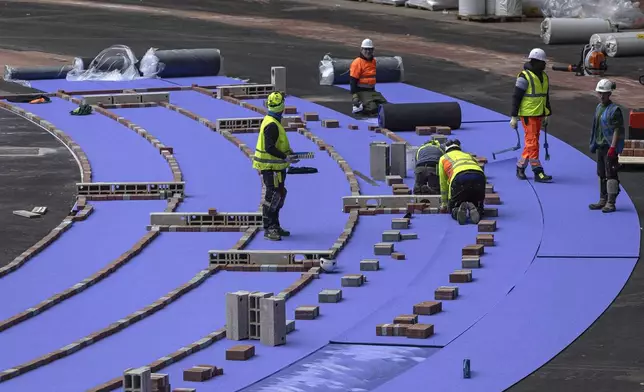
612 186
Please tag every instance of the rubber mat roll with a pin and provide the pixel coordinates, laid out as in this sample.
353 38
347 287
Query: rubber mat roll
179 63
36 73
408 116
336 71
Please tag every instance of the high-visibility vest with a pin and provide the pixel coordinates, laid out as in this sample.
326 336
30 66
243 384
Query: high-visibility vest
265 161
451 164
430 155
533 103
364 71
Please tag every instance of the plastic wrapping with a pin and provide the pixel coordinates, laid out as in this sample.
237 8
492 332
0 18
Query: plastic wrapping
179 63
471 7
599 40
623 13
408 116
434 5
116 63
336 71
628 44
82 63
532 8
35 73
573 31
509 8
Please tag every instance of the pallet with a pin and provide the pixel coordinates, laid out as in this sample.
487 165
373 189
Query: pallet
491 18
626 160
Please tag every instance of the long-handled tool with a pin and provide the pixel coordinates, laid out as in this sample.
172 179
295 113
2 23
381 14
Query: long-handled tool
545 142
518 146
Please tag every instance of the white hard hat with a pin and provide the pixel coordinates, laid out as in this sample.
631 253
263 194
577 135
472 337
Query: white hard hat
367 44
605 86
537 54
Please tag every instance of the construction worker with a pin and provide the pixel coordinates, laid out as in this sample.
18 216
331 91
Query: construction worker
273 155
362 78
531 106
462 184
427 157
607 140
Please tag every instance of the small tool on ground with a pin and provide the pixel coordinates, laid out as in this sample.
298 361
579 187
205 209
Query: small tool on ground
515 148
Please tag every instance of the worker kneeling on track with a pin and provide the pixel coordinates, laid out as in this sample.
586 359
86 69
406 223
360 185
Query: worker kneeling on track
273 155
362 79
462 184
427 157
607 140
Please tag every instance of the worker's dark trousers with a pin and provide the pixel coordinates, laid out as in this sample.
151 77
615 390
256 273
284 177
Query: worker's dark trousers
371 101
608 173
426 181
468 186
273 198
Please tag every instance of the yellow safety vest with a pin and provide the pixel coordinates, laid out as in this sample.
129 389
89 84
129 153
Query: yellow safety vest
265 161
432 143
451 164
533 103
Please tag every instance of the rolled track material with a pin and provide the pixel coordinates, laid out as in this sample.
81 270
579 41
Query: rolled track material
408 116
36 73
629 44
336 71
179 63
558 31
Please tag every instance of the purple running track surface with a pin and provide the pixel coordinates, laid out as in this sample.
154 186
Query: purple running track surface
406 93
51 86
115 152
517 239
112 229
171 260
534 322
205 81
193 316
208 107
202 154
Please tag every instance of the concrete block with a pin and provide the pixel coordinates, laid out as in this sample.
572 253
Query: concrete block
354 280
369 265
160 382
155 97
406 319
237 311
399 159
137 380
409 236
379 160
400 223
330 296
420 331
469 262
473 250
331 123
272 317
199 373
391 329
311 117
460 276
383 249
391 236
487 226
491 212
307 312
98 100
278 78
446 293
393 179
427 308
485 239
240 353
290 326
126 98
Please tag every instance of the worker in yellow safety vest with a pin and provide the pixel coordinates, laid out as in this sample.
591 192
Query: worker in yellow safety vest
531 106
273 155
426 177
462 183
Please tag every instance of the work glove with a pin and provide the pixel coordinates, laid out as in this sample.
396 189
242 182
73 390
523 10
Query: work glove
612 153
544 122
514 121
292 159
355 101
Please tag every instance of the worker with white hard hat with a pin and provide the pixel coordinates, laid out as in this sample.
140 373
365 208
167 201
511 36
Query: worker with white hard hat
531 106
362 78
607 140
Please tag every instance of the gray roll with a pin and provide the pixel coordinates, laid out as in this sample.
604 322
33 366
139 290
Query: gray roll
336 71
180 63
36 73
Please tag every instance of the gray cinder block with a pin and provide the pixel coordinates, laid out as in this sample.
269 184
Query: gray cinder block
379 160
330 296
409 236
237 315
369 265
399 159
400 223
469 262
383 249
290 326
356 280
391 236
127 98
272 322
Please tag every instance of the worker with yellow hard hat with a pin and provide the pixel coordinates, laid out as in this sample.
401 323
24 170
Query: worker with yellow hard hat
607 141
273 155
462 184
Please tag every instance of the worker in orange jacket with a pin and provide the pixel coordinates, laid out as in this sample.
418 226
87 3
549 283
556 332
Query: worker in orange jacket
531 106
362 79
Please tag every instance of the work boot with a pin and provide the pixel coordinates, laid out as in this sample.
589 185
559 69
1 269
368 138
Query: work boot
461 214
521 173
603 196
475 215
272 235
283 233
540 176
613 189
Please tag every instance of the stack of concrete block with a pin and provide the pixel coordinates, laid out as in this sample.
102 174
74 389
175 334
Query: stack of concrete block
137 380
160 382
272 316
240 353
254 313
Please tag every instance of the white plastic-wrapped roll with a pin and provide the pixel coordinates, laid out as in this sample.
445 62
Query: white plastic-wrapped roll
490 7
573 31
471 7
625 44
509 8
600 39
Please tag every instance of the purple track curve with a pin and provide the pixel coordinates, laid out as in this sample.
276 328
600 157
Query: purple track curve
489 323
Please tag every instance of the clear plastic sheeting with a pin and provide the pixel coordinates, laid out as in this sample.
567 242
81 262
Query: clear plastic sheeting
434 5
509 8
116 63
623 13
150 65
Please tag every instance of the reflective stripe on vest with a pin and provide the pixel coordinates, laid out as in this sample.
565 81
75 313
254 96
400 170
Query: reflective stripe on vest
533 103
265 161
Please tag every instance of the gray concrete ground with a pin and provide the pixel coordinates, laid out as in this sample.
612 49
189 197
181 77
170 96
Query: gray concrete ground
465 60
